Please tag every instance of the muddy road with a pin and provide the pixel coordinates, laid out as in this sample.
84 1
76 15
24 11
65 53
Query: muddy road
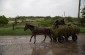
20 45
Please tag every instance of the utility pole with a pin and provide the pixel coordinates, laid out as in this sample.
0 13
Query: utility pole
79 10
64 13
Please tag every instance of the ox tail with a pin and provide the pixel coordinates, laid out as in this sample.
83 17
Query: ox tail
50 34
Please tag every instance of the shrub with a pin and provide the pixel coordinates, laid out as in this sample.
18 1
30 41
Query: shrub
3 20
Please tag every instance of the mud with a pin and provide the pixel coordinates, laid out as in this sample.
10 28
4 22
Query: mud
20 45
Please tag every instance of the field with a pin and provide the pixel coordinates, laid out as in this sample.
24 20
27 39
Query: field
10 31
40 22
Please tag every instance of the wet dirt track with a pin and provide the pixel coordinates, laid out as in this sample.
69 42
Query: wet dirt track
20 45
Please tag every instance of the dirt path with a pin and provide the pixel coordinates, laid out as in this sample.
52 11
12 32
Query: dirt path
20 45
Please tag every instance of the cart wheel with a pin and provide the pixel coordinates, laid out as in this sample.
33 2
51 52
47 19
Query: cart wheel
60 39
74 37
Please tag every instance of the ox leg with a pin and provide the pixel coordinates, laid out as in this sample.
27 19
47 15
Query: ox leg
45 37
66 39
31 38
34 39
50 37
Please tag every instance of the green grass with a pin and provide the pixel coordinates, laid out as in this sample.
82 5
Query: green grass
10 31
82 29
5 31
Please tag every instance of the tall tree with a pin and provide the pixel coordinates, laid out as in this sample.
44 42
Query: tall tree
83 12
83 16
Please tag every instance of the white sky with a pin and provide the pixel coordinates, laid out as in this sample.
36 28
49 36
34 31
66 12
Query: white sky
13 8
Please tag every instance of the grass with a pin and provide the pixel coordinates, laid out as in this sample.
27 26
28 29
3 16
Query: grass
5 31
10 31
82 29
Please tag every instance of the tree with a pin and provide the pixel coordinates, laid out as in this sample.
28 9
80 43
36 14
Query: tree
3 20
82 20
83 12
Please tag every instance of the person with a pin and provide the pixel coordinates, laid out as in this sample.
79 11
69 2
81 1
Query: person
56 23
62 22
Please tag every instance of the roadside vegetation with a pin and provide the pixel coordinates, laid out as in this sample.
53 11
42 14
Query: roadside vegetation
19 27
15 26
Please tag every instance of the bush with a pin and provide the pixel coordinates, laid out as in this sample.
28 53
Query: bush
3 20
82 21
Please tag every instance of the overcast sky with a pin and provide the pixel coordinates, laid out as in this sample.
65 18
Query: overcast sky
13 8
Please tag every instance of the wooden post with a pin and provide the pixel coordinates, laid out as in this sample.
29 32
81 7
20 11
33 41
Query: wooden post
13 26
